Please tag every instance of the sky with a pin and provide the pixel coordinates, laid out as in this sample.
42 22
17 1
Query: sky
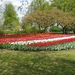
18 3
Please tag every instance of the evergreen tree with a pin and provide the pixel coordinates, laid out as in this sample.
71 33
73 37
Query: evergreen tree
10 17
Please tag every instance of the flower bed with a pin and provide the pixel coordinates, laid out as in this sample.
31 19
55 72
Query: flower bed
64 46
38 42
53 42
24 37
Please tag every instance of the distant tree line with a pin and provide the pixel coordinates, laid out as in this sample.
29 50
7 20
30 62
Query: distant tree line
41 16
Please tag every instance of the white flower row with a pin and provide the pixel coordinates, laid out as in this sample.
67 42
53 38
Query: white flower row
44 40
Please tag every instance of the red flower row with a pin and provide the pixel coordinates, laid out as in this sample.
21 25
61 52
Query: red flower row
29 35
53 43
24 37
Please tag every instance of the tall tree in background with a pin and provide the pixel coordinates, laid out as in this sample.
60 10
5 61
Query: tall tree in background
38 4
65 5
10 17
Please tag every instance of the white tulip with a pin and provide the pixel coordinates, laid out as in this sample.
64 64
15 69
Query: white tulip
42 41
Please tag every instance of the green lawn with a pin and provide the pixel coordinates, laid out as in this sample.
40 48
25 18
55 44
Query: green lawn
37 63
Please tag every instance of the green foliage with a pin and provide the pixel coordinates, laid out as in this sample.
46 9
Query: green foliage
34 30
55 29
38 4
1 32
64 46
64 5
8 31
11 32
29 29
10 17
41 31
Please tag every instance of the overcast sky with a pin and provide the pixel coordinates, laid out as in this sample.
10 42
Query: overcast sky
18 3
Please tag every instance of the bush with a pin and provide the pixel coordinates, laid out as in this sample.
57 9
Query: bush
1 32
55 29
34 30
41 31
9 32
29 29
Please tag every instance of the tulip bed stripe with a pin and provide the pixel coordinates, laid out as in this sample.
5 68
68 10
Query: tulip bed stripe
64 46
53 42
43 41
16 38
39 42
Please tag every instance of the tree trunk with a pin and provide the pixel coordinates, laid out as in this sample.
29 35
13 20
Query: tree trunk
74 29
39 27
46 29
64 30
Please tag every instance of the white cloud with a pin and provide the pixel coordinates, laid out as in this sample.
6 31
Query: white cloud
16 3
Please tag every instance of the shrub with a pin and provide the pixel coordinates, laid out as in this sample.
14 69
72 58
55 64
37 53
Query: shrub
41 31
34 30
9 32
1 32
55 29
27 28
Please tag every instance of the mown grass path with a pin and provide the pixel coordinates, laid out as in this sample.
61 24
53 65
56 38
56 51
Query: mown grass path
37 63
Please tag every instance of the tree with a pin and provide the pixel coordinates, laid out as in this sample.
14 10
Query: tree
47 18
38 4
66 22
64 19
10 17
65 5
41 18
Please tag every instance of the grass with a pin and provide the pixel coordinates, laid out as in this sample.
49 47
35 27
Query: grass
37 63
